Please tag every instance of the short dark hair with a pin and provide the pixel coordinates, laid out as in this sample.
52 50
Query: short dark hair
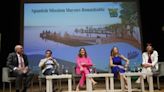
48 51
80 53
149 44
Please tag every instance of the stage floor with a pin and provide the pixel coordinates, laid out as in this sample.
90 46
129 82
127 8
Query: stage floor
100 87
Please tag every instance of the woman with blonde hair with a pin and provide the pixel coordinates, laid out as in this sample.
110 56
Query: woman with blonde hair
116 64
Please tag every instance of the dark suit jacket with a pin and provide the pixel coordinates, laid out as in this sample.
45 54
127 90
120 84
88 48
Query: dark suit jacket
12 60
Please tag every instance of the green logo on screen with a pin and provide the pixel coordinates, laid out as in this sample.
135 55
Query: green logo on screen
113 12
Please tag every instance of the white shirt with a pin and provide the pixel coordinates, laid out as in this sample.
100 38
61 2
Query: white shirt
154 58
48 64
19 60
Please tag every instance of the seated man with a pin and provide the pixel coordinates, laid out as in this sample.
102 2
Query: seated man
149 61
49 65
18 63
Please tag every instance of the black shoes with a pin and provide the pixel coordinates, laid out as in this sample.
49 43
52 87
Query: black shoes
24 90
17 90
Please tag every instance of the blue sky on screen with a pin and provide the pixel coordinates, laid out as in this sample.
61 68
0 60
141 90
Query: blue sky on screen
69 18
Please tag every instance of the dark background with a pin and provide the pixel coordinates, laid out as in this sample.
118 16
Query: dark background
151 16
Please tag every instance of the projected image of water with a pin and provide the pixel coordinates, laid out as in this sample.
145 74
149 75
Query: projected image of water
66 27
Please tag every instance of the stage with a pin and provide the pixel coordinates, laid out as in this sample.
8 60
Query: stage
100 87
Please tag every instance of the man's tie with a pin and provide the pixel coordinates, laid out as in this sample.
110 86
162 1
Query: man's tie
21 62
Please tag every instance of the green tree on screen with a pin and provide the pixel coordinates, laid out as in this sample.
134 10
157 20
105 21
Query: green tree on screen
128 13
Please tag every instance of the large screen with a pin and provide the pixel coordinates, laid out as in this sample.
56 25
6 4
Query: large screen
66 27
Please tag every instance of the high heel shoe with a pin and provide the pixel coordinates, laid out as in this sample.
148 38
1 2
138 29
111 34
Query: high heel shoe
77 89
94 83
126 87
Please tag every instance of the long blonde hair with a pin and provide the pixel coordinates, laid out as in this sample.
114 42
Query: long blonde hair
112 51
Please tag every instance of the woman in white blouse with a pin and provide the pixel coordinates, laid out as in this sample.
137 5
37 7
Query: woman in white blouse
149 61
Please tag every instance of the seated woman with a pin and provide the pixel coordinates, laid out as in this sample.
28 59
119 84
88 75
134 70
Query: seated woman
116 64
83 64
149 61
49 65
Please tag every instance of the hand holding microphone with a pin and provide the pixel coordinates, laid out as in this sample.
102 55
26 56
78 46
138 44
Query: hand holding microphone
50 58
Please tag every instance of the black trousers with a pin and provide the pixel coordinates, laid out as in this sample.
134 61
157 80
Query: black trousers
19 76
51 71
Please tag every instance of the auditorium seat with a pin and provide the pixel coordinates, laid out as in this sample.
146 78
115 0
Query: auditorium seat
159 73
6 78
40 78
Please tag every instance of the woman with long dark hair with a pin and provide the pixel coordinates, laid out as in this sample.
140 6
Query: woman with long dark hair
83 64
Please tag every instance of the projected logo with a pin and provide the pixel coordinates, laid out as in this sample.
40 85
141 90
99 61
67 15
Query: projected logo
113 12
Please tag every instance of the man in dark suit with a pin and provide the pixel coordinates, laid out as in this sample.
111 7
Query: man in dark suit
18 63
